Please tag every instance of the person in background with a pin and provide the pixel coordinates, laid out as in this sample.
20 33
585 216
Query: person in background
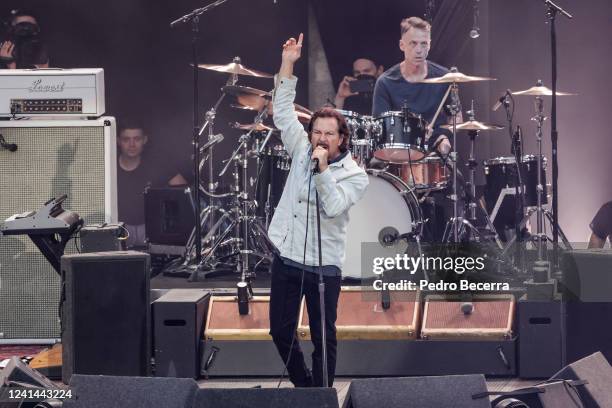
135 173
364 69
23 45
601 226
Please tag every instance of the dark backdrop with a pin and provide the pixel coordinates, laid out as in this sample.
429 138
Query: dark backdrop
148 75
147 64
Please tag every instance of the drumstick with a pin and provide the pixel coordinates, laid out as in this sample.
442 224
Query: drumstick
433 121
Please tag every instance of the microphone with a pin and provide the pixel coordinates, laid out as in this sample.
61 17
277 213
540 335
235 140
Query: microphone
315 165
11 147
501 101
475 31
243 298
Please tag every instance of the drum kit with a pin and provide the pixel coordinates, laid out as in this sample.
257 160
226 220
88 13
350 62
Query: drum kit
236 221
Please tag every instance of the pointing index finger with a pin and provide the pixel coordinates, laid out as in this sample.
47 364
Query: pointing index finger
301 37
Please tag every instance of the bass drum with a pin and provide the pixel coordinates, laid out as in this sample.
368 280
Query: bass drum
388 202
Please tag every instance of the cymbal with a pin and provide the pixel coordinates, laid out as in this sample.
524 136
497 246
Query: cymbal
474 125
239 90
235 68
455 77
541 91
259 127
255 99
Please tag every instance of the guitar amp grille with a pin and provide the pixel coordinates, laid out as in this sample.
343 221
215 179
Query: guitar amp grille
73 157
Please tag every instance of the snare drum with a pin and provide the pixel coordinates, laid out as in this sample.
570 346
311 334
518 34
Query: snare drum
500 173
401 139
431 173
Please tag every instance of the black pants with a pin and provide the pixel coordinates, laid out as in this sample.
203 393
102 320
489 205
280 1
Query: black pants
284 307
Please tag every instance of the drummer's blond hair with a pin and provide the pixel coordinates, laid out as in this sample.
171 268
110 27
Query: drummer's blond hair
414 22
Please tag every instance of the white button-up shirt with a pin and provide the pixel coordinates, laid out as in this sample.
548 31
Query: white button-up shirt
340 186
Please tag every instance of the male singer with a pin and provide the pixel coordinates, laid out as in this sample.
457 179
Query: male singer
340 183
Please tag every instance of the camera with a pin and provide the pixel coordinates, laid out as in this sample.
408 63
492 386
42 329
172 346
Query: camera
29 49
363 84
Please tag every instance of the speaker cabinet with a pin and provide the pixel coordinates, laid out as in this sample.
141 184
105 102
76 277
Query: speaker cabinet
266 397
491 317
237 344
596 370
361 316
106 314
445 391
17 375
225 323
53 157
178 325
540 329
100 391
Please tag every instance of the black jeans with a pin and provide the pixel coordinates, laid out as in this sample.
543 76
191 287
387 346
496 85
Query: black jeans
284 308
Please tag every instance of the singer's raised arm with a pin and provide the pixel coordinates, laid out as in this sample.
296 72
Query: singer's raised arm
293 135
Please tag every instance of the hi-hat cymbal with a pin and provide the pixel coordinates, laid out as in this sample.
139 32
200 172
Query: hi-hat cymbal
474 125
259 127
455 77
541 91
235 68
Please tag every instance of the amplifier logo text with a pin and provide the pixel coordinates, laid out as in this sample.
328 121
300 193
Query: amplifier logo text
39 86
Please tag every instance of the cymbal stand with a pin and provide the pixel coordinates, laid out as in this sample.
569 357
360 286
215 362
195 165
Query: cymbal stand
240 221
540 237
207 213
472 203
456 224
194 18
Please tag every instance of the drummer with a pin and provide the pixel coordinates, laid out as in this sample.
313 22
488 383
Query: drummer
399 84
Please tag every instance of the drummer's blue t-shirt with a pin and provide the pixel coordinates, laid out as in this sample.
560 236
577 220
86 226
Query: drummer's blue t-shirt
392 90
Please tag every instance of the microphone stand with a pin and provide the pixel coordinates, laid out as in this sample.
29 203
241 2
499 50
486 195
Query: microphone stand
321 294
551 13
194 18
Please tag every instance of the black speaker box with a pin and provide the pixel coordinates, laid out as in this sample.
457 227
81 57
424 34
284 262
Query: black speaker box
89 391
102 238
267 397
106 314
178 327
540 328
424 392
596 370
169 215
587 286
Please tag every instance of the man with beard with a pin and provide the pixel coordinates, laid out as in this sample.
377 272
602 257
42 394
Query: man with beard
340 183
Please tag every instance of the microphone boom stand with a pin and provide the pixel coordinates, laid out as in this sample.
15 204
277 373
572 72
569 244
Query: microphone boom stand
324 370
194 18
551 12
